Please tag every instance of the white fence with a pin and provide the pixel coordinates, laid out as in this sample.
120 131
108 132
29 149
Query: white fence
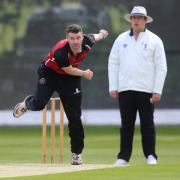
89 117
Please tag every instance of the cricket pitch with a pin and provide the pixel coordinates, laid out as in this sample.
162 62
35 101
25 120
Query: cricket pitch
14 170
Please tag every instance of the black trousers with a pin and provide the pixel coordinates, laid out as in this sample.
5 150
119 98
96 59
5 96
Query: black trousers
69 90
131 102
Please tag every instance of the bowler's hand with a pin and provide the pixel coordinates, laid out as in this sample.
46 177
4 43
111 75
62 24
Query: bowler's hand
87 74
101 35
104 33
155 98
113 94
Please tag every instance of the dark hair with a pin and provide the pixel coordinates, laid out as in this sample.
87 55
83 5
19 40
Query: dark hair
73 28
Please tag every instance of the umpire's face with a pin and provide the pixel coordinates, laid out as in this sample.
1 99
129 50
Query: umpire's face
138 23
75 41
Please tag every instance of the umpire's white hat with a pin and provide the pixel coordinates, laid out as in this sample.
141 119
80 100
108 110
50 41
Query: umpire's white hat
138 11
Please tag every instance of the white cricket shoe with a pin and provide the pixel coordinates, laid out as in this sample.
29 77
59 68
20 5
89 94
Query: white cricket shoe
76 159
151 160
121 162
20 109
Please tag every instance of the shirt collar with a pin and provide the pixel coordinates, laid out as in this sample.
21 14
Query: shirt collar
131 32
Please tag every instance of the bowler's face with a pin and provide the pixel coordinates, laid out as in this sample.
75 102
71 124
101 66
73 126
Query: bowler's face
138 23
75 40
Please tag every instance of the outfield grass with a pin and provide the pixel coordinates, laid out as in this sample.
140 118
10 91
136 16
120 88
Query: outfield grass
23 145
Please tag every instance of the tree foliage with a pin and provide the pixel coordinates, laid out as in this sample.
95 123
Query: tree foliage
15 70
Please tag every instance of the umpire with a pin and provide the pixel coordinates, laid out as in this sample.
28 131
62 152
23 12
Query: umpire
137 70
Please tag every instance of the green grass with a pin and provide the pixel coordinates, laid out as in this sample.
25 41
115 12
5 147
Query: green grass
158 172
23 145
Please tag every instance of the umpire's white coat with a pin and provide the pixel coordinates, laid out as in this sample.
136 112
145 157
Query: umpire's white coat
138 65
